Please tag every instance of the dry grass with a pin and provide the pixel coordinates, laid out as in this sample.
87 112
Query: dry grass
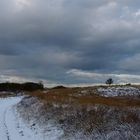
71 95
90 113
130 117
111 101
6 94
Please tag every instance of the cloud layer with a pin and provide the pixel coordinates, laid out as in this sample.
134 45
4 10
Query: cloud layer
46 39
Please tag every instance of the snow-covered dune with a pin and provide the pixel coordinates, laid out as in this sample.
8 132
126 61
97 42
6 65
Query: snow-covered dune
36 118
60 121
11 126
119 91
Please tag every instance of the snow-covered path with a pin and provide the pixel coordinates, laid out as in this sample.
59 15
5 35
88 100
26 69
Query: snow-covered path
11 128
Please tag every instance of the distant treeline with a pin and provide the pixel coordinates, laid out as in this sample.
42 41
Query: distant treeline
28 86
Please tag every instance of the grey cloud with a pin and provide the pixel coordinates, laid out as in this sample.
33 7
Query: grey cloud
45 39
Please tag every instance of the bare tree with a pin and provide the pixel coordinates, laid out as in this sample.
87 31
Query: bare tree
109 81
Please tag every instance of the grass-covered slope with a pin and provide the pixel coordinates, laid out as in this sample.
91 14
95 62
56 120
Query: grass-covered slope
83 114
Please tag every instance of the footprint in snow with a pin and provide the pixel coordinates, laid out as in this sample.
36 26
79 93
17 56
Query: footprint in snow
21 133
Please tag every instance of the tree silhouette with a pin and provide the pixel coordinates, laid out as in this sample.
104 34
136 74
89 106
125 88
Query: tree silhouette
109 81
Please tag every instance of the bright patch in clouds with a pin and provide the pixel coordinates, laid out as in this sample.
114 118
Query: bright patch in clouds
118 78
137 13
22 3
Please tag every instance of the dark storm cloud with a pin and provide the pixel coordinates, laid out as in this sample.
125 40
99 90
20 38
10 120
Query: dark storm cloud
45 39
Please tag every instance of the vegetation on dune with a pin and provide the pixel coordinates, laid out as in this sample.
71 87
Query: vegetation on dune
59 87
83 114
87 95
28 86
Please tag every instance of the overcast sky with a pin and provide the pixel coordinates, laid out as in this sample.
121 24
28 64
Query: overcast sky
70 41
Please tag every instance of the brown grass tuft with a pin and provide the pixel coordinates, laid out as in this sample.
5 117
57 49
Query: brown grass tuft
71 95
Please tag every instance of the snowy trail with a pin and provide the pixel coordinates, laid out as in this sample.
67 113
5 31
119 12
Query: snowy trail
11 128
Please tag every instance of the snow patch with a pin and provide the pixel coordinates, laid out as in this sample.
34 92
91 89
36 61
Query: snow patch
119 91
35 119
12 126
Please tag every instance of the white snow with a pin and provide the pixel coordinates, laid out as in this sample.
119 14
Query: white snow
12 127
4 105
34 119
119 91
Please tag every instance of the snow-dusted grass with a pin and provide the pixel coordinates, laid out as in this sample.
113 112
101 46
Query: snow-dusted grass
36 119
92 113
76 121
119 91
72 114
